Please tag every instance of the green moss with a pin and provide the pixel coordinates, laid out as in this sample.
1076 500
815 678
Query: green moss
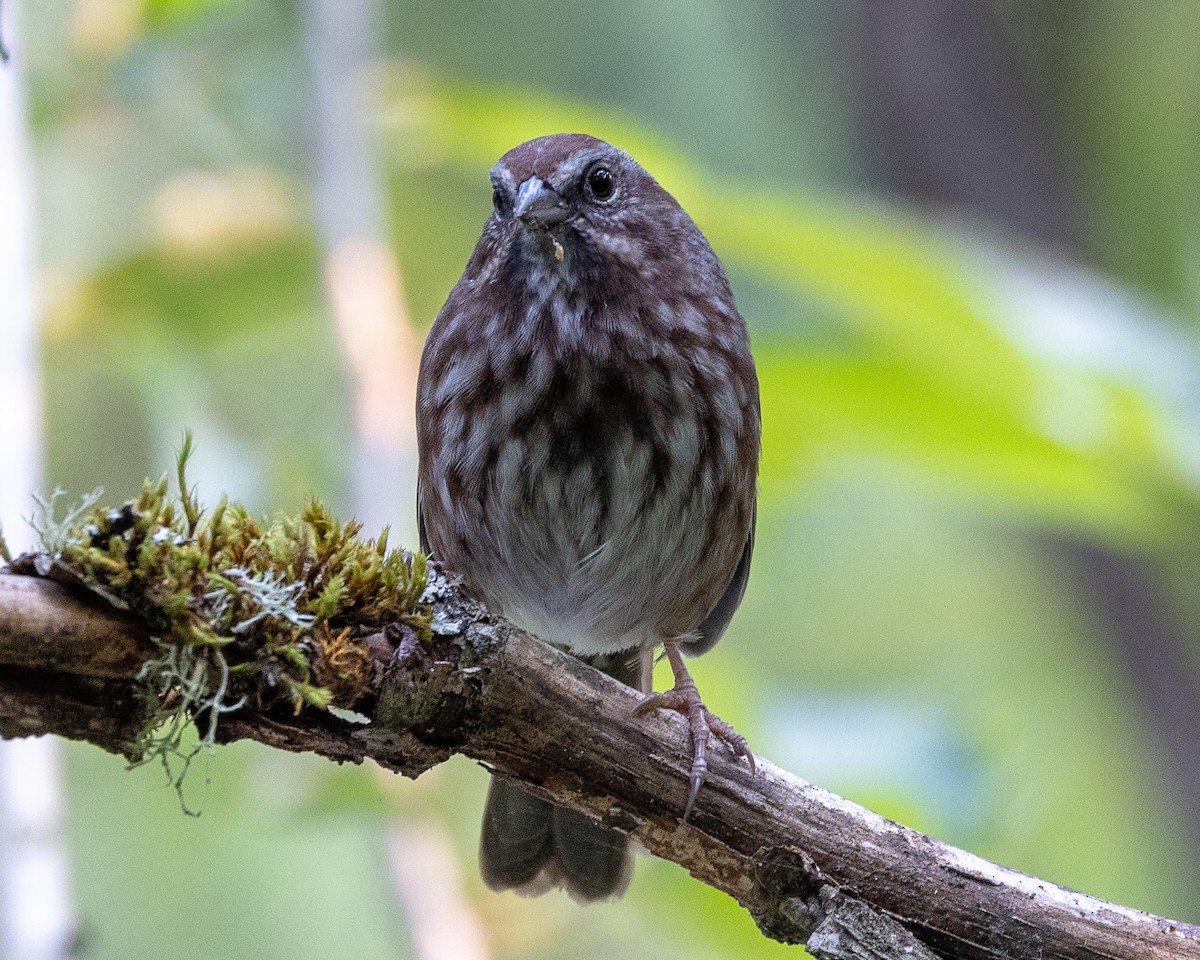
245 610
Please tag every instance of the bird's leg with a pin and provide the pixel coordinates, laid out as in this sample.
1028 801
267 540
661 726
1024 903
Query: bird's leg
685 698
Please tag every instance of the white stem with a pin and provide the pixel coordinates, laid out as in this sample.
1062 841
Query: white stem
36 913
362 278
441 922
20 386
37 920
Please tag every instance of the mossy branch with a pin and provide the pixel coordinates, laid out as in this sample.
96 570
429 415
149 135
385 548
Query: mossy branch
293 632
242 611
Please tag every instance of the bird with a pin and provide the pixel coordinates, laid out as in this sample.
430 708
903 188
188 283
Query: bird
589 433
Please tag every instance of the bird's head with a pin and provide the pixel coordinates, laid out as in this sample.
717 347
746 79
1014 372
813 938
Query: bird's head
573 211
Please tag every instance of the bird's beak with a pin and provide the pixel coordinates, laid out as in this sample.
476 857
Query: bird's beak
539 205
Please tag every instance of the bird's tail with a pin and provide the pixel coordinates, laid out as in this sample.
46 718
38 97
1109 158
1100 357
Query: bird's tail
532 846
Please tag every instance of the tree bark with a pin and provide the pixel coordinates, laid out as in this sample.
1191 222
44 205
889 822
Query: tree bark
810 867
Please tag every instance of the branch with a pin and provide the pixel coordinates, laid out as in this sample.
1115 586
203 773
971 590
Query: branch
810 867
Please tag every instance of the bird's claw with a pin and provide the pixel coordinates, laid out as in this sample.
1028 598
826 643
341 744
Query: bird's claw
685 698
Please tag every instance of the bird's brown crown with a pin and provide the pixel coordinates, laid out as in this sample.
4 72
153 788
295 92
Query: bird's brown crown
541 157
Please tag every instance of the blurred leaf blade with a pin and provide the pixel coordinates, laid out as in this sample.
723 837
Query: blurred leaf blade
819 409
166 12
929 378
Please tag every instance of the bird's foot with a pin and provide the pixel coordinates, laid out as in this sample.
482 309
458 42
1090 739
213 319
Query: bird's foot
703 723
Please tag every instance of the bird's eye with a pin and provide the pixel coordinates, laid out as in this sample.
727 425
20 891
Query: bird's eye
600 182
499 201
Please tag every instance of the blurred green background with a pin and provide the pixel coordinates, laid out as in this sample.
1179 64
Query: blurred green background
965 238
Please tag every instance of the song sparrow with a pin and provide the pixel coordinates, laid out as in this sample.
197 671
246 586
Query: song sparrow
588 425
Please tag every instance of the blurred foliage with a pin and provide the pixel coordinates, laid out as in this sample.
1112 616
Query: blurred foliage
935 400
929 376
166 11
1140 172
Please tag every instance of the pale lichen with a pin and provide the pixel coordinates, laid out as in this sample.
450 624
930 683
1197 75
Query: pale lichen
54 535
